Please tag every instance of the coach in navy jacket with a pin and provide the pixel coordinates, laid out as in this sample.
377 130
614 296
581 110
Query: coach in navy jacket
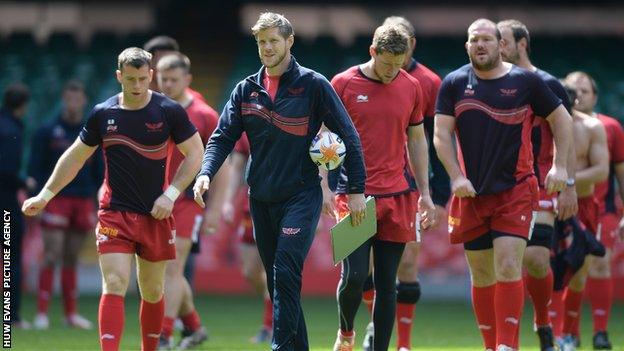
281 108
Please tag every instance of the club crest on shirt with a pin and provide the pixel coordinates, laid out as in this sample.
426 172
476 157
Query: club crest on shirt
290 231
154 127
362 98
253 95
111 127
508 92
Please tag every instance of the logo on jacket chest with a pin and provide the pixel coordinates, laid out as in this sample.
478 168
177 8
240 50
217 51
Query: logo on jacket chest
154 127
508 92
111 127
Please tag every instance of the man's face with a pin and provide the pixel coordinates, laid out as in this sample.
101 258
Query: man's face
173 82
134 81
586 99
387 65
74 101
272 47
483 48
509 46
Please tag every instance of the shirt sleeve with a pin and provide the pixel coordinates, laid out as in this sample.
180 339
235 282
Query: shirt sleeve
617 154
224 138
180 125
445 103
561 93
543 100
333 113
416 117
90 133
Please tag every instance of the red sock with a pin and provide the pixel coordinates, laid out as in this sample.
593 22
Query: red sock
267 317
556 313
191 321
541 293
600 293
508 303
68 286
111 320
368 297
46 278
483 306
404 319
151 316
167 327
572 305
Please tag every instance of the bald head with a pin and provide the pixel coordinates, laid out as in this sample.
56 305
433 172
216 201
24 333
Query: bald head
484 23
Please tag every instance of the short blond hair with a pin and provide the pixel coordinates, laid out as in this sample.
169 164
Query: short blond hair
173 61
401 21
487 22
135 57
390 38
269 20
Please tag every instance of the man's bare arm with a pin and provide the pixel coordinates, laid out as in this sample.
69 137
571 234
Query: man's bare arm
598 169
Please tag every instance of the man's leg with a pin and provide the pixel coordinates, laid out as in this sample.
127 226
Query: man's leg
387 256
480 257
354 273
265 234
115 269
52 250
408 293
175 285
298 218
151 278
509 295
600 293
539 279
572 299
69 281
254 274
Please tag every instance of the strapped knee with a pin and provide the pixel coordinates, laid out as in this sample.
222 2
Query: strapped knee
408 292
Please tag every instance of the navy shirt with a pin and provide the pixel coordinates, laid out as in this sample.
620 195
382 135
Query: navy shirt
136 146
11 148
48 144
494 119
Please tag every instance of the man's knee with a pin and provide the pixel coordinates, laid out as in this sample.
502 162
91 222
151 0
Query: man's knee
151 290
408 292
115 282
508 268
600 267
537 262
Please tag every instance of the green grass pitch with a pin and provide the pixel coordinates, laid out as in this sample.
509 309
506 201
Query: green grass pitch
231 321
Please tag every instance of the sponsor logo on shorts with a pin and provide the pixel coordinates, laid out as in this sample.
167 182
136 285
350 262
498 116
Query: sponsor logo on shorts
173 237
99 238
290 231
108 231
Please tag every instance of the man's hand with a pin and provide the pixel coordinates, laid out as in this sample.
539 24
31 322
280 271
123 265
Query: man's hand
567 203
427 211
34 205
556 179
357 208
329 206
163 206
462 187
202 184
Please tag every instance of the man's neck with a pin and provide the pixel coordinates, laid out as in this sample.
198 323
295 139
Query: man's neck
368 69
525 63
128 104
71 118
185 99
278 70
500 70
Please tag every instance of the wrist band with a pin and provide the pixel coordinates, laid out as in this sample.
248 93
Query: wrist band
172 193
46 194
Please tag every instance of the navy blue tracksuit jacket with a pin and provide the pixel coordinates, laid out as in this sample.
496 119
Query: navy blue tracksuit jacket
285 196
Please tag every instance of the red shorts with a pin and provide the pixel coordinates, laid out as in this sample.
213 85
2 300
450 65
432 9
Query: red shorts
547 202
396 216
69 213
510 212
589 214
246 227
188 218
609 226
129 232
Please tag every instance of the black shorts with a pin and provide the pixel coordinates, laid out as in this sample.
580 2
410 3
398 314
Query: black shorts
486 241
